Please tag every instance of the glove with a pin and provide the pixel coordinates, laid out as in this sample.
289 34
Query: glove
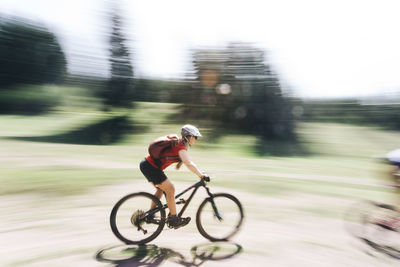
206 178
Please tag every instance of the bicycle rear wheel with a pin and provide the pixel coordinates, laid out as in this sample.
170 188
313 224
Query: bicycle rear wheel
133 222
219 217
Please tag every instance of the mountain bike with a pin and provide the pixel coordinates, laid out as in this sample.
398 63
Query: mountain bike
133 221
377 225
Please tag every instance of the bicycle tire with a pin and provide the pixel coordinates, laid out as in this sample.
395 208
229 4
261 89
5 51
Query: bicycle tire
142 203
368 224
380 234
216 232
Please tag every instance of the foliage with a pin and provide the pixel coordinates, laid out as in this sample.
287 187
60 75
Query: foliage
91 83
28 99
153 90
237 89
29 53
104 132
119 89
352 111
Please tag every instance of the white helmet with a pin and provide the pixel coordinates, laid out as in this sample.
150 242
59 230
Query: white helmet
394 156
190 130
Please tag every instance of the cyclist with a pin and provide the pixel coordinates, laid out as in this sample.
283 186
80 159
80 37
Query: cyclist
394 159
155 175
392 222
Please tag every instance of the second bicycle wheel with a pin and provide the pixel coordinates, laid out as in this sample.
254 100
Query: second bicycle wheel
382 229
377 225
130 220
221 226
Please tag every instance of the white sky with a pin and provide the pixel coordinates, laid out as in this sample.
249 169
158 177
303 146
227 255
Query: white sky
332 48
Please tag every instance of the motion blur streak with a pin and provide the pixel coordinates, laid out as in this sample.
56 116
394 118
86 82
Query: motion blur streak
78 110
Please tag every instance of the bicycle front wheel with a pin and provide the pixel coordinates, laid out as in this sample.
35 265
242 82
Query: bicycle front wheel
376 224
219 217
382 229
134 222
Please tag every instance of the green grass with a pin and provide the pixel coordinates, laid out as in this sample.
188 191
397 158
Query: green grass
336 150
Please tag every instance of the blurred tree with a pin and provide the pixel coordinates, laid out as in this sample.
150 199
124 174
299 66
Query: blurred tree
235 88
29 54
157 90
119 91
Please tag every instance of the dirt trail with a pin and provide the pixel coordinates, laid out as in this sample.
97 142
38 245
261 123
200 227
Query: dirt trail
278 231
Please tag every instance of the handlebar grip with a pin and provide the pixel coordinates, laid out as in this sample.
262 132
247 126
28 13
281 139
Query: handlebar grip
206 178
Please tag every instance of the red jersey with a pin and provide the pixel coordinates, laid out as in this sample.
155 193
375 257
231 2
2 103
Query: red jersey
169 156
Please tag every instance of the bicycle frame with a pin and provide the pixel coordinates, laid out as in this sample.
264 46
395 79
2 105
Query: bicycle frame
195 187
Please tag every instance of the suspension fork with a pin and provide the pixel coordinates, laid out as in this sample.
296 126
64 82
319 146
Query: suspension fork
211 199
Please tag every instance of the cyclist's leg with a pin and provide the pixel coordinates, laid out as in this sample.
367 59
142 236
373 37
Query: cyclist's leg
154 176
169 190
396 178
158 194
173 220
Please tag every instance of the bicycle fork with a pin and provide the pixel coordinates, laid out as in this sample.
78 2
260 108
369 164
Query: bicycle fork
211 199
216 212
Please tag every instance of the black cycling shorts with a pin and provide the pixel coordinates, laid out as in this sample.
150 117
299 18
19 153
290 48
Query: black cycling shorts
152 174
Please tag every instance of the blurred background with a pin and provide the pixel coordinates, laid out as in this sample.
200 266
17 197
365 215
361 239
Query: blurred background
295 99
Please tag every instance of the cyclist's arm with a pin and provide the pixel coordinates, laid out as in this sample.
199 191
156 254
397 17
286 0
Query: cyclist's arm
183 154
